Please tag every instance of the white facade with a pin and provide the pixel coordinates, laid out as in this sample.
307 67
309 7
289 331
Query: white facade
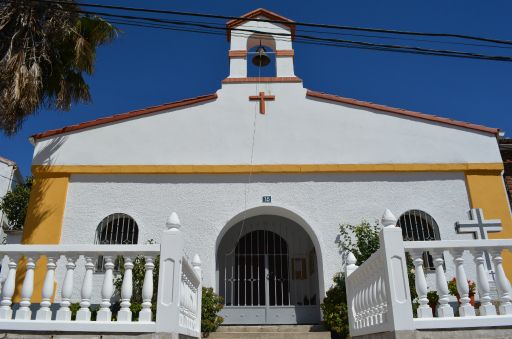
9 177
296 129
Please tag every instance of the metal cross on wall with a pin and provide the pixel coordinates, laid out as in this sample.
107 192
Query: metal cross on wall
480 228
261 98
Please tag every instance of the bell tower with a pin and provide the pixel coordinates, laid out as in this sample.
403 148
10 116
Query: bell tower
257 42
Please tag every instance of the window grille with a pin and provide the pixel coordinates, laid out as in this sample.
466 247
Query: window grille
115 229
417 225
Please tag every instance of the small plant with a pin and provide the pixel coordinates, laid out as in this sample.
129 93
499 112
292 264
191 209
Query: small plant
433 299
211 306
452 287
366 240
334 307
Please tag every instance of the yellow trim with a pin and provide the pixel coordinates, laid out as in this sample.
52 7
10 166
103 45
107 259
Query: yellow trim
43 224
242 169
487 191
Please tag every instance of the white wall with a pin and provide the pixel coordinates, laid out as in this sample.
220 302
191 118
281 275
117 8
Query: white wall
206 203
295 130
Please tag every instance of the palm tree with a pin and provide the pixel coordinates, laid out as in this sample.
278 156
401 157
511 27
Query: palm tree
45 48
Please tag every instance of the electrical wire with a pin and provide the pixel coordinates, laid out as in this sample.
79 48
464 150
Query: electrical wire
296 23
299 38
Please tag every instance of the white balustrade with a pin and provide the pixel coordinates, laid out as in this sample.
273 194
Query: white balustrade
502 283
44 312
182 301
125 314
24 312
424 310
104 314
64 312
482 283
146 314
378 293
8 289
444 310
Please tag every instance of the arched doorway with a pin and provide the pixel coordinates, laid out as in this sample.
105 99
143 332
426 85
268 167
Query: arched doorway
268 273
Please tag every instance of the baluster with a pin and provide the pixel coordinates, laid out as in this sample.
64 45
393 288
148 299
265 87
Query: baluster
482 283
502 283
104 314
64 313
384 300
444 310
147 291
424 310
465 308
84 314
44 312
125 314
8 290
24 312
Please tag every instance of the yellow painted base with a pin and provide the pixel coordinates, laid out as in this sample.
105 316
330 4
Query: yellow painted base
487 191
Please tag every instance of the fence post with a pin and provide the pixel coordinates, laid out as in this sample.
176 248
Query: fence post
171 254
397 287
196 264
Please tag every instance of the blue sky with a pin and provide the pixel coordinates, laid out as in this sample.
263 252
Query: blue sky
145 67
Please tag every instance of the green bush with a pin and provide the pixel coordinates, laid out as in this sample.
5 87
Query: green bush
211 306
14 205
334 307
366 240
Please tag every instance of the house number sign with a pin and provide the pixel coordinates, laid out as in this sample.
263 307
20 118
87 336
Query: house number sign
266 199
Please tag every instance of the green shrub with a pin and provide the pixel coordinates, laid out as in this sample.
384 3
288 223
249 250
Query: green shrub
14 205
211 306
334 307
366 240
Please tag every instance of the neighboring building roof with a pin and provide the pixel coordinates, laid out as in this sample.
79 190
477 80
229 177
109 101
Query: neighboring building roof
127 115
7 161
400 111
261 12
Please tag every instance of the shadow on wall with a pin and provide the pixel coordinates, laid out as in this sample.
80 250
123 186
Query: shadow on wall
44 214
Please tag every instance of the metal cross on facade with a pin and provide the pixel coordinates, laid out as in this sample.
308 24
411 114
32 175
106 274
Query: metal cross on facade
480 229
261 98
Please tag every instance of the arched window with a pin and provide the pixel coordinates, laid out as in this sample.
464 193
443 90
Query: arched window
116 229
417 225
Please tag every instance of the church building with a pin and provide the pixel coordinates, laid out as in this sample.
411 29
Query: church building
262 173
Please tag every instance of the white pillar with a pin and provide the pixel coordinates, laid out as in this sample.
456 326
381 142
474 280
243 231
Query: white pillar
424 310
84 314
44 312
169 283
465 308
146 314
350 264
125 314
24 312
395 287
482 283
196 264
104 314
502 283
8 290
444 310
64 313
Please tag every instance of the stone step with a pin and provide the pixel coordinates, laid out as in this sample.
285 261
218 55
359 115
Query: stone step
272 332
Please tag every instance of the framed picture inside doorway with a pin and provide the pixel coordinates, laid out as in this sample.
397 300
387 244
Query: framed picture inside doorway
299 270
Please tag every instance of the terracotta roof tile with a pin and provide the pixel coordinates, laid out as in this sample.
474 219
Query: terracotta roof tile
127 115
400 111
260 12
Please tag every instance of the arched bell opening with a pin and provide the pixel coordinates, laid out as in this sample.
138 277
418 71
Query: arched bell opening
261 56
268 273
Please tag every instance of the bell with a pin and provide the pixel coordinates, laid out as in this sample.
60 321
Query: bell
261 58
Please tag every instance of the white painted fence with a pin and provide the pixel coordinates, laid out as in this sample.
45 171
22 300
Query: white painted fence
378 295
178 308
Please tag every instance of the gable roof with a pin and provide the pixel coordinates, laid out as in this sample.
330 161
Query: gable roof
7 161
260 12
399 111
125 116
